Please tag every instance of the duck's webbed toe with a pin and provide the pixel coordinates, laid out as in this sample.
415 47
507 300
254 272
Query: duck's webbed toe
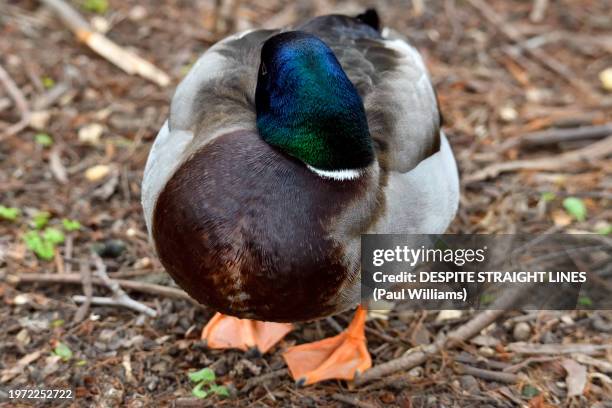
340 357
227 332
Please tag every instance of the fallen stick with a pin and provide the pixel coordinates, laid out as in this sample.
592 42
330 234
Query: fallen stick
119 302
20 102
75 278
552 136
601 365
255 381
87 290
489 375
354 401
525 363
21 364
120 57
532 348
463 333
119 298
538 10
595 151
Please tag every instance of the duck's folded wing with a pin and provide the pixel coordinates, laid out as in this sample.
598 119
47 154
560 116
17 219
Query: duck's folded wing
214 98
164 158
393 81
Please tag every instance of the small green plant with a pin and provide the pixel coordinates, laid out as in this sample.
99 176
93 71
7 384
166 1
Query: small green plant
57 323
206 378
48 82
43 139
575 207
487 299
71 225
35 243
54 236
9 213
548 196
62 351
585 301
529 391
43 244
96 6
41 219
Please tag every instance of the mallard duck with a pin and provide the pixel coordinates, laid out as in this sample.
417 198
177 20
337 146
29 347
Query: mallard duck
281 148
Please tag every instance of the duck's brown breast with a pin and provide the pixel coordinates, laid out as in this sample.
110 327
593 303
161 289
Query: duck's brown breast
244 229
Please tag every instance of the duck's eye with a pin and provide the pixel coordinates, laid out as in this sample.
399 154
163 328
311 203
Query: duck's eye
264 71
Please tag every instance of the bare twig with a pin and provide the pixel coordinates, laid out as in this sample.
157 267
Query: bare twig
52 95
20 102
354 401
552 136
120 57
595 151
75 278
20 365
419 355
533 349
539 8
119 298
57 168
490 375
601 365
517 367
260 379
87 290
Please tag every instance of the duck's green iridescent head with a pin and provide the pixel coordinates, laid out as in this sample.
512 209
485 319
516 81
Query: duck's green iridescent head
307 106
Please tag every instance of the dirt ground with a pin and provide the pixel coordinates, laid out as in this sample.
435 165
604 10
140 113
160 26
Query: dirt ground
502 72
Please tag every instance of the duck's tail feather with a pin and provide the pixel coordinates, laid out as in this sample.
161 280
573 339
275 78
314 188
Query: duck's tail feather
371 18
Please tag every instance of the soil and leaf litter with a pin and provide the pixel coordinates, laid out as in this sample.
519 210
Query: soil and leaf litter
524 87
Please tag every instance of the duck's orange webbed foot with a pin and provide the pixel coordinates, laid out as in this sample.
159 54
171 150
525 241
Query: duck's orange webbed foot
339 357
226 332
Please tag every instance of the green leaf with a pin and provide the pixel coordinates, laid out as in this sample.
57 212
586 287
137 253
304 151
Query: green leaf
81 363
54 236
48 82
219 390
9 213
96 6
63 351
487 299
604 230
42 248
575 207
585 301
71 225
57 323
529 391
205 375
198 392
41 219
548 196
44 139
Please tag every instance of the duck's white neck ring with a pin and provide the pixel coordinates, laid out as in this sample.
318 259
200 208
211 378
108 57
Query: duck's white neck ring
340 175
